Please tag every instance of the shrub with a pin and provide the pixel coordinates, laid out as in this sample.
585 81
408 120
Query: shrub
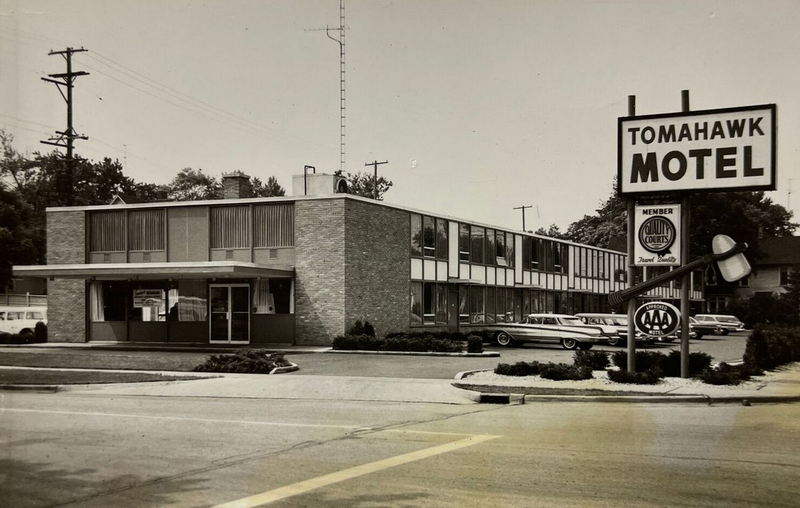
474 344
357 343
596 360
726 374
698 363
647 377
360 328
563 371
40 332
645 360
248 361
771 346
518 369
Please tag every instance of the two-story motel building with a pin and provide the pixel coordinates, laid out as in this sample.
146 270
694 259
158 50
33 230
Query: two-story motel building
303 269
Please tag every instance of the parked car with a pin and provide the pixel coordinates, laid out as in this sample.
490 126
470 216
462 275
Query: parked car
21 320
618 321
569 331
717 324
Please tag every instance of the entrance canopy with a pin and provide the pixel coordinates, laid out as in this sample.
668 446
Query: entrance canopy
184 270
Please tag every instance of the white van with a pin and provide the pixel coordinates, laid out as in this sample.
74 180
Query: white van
21 320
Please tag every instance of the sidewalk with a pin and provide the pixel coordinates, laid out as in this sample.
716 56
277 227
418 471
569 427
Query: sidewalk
182 347
781 385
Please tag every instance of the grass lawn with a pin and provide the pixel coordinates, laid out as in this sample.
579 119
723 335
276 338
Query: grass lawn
57 377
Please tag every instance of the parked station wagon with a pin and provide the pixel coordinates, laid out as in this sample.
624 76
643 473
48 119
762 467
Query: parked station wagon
21 320
569 331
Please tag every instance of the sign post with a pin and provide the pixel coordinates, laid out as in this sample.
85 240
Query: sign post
732 149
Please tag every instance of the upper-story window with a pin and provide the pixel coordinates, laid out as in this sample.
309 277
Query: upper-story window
146 230
273 225
491 250
463 242
229 227
107 231
428 237
477 240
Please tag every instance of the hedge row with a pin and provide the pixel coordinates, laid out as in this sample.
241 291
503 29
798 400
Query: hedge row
554 371
668 365
772 346
247 361
410 342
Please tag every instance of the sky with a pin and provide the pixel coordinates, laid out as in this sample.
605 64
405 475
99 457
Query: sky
479 106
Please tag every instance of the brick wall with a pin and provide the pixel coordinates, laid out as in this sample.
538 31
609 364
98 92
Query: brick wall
319 268
66 298
377 263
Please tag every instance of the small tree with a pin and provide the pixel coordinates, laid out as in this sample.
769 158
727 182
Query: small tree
363 184
267 190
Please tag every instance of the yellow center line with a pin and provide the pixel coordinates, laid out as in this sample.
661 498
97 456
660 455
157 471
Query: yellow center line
302 487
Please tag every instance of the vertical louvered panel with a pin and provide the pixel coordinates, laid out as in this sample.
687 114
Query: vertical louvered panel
146 230
274 225
229 227
107 231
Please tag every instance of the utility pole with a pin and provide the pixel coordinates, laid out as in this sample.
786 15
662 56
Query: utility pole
65 138
342 104
523 207
374 164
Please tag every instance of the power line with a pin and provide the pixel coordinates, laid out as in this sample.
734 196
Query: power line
375 164
523 208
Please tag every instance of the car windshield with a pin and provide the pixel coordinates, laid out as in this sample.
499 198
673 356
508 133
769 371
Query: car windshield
571 321
618 321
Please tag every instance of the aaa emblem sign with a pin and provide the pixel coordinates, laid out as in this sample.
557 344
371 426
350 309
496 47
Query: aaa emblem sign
657 319
658 235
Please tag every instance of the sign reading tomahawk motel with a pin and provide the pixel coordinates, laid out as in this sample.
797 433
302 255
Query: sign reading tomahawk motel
722 149
658 235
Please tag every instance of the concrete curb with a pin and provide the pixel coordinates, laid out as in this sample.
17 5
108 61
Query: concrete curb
485 354
31 388
177 348
282 370
465 373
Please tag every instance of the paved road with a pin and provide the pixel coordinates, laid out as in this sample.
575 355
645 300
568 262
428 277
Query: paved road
98 451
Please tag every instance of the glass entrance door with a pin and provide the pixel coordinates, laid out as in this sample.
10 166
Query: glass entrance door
229 313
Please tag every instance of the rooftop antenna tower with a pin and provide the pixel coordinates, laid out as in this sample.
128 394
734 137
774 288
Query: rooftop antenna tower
342 102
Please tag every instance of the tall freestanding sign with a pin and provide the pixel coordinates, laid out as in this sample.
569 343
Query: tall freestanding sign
676 155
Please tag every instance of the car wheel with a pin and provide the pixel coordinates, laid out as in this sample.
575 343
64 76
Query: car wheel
585 346
504 339
569 343
720 331
26 332
614 341
699 335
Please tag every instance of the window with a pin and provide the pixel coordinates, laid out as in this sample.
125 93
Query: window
477 238
273 225
107 300
463 243
526 252
416 303
428 303
441 239
500 305
416 235
491 251
556 257
536 253
784 276
188 301
601 265
500 250
510 250
490 307
510 315
463 310
146 230
229 227
476 301
107 231
441 304
148 302
272 296
428 237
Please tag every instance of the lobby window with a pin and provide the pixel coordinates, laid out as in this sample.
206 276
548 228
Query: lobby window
272 296
416 235
428 303
490 304
500 305
477 239
428 237
107 231
107 300
188 301
148 302
463 243
146 230
416 303
463 302
441 239
229 227
273 225
441 304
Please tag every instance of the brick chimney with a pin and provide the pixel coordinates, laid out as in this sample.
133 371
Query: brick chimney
236 185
